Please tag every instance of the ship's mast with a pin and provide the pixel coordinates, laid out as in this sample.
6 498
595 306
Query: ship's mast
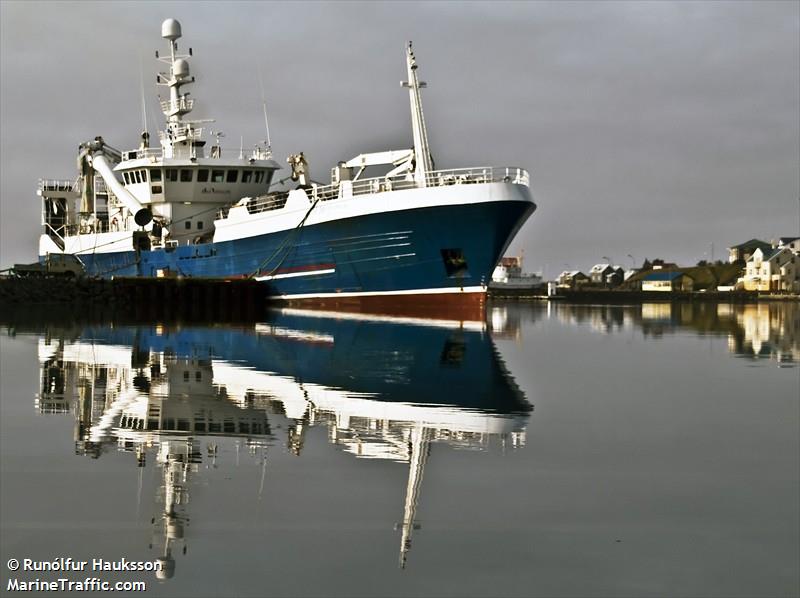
422 153
178 103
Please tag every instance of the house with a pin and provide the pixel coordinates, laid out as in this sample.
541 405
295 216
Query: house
599 272
772 270
790 243
743 251
670 281
659 264
572 279
615 277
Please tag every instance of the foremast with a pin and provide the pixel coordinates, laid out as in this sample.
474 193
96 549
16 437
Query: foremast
422 152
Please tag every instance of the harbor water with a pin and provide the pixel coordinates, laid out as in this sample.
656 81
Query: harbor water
547 450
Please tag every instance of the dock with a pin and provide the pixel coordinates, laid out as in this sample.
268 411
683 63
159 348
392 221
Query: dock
141 299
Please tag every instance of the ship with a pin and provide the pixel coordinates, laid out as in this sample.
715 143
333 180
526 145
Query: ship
185 209
508 276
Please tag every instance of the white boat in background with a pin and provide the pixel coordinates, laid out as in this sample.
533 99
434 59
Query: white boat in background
508 275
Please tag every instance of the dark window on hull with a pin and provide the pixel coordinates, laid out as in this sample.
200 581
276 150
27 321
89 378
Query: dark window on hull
454 262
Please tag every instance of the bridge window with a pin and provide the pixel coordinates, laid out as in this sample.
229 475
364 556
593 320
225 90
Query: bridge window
172 174
186 175
155 175
217 176
137 176
247 176
232 176
125 178
188 226
144 175
202 175
199 226
259 176
157 189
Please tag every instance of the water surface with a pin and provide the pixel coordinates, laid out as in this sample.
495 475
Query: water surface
551 450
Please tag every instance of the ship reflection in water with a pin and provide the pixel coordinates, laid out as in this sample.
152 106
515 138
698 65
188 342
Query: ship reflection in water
384 388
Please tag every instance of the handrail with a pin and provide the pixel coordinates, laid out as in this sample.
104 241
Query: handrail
230 153
58 185
179 104
436 178
264 203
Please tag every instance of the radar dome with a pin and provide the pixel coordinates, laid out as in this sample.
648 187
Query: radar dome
180 68
171 29
174 530
167 569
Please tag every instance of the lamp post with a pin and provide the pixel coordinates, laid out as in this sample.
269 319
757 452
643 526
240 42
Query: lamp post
633 261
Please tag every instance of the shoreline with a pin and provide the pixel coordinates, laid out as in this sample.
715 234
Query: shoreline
244 298
611 297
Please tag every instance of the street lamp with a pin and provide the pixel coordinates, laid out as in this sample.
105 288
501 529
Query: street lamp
633 261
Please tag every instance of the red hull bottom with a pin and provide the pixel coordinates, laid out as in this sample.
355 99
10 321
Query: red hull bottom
466 306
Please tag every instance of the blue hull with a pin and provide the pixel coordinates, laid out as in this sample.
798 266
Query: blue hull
426 248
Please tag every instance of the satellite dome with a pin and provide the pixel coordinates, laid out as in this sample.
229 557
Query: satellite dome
167 569
180 68
171 29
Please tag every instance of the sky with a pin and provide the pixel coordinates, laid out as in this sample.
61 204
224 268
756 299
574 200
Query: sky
650 129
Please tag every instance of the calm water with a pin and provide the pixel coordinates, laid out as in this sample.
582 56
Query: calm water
553 450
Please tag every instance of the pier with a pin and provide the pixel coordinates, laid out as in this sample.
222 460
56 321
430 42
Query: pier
138 299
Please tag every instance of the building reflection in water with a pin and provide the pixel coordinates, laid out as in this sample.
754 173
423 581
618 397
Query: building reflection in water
384 388
760 330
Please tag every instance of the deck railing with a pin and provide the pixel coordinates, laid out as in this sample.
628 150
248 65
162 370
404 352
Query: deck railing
179 104
58 185
215 151
436 178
